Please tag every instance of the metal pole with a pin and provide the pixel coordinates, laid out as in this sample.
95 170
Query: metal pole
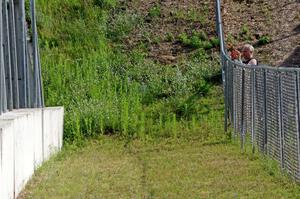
298 124
242 110
21 51
42 102
1 62
34 55
281 137
36 59
234 98
3 99
29 72
253 77
265 110
13 55
225 94
7 60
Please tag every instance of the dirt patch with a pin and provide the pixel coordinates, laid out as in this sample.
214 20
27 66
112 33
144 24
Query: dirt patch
275 23
273 27
164 21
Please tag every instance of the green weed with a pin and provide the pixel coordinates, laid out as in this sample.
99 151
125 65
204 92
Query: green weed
155 11
263 40
198 40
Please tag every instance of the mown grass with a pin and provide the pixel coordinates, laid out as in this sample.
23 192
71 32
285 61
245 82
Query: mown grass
110 167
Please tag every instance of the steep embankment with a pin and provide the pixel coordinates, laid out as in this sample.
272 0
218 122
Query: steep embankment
127 67
169 25
273 27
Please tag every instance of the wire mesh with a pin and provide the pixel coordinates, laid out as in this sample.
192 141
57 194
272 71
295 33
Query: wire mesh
238 98
265 101
259 109
272 115
247 100
289 122
230 91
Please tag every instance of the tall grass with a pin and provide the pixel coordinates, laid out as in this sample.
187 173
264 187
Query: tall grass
106 90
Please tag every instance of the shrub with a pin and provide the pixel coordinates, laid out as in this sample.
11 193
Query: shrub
263 40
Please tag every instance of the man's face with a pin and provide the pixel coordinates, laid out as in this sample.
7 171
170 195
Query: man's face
246 53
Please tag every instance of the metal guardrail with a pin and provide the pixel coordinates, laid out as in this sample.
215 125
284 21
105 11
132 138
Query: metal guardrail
20 70
263 101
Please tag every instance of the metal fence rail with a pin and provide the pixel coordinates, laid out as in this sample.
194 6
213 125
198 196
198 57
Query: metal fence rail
20 70
264 102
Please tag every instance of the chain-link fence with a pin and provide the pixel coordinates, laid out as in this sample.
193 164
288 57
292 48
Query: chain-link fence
20 74
263 101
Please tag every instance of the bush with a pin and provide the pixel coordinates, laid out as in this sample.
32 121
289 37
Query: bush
263 40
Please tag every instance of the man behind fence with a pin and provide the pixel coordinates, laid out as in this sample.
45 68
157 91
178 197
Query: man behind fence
247 55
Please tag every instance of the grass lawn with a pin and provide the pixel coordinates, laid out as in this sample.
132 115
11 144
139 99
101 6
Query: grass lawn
110 167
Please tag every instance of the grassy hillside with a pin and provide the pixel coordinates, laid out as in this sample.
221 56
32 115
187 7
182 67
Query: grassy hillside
108 86
148 70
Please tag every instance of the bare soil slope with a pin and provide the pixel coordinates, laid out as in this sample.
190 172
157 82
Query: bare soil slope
164 21
273 27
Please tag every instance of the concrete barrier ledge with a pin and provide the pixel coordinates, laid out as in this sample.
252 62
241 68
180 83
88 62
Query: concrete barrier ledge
28 137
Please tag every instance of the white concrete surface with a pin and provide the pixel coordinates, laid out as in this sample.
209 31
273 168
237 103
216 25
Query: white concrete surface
27 138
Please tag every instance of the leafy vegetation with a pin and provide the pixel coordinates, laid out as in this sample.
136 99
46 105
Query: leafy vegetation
264 39
108 90
155 11
198 40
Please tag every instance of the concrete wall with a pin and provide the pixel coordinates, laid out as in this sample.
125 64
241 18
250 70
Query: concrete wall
27 138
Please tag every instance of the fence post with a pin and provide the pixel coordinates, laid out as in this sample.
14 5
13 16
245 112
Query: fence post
265 110
298 123
242 110
224 66
253 77
230 89
234 98
281 138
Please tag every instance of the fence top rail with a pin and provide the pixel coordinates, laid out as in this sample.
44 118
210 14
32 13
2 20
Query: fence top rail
266 67
225 55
